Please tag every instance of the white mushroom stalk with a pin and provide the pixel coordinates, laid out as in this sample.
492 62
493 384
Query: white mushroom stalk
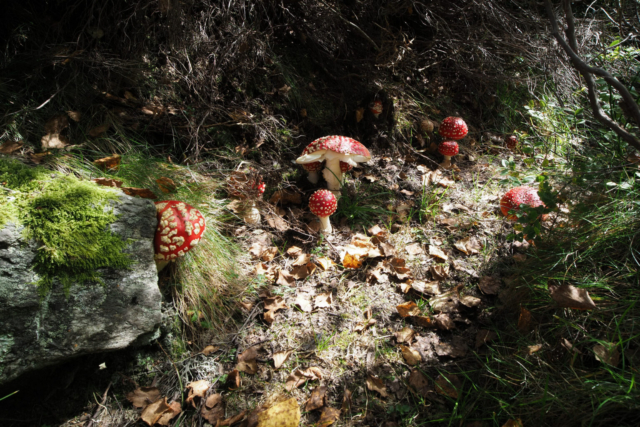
251 214
323 204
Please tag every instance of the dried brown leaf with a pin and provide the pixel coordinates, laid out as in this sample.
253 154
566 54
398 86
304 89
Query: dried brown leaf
408 309
304 302
294 251
350 261
299 377
328 416
524 321
54 140
456 348
432 288
405 335
209 349
108 182
197 389
324 300
283 414
247 361
286 196
569 296
411 355
285 279
76 116
174 410
436 252
439 271
152 413
302 259
484 336
316 400
444 321
144 193
280 357
325 263
448 385
414 249
377 385
607 353
111 163
269 254
9 146
166 185
489 285
233 380
419 383
143 396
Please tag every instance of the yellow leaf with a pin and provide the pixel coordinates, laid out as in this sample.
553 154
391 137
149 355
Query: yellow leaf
283 414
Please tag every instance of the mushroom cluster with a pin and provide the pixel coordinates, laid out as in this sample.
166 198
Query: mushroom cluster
248 186
515 197
451 129
180 228
340 154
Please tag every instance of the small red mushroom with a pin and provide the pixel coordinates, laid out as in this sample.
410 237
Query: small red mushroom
519 196
448 149
512 142
323 204
313 169
180 228
453 128
376 108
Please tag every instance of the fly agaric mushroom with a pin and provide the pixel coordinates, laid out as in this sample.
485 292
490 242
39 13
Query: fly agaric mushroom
180 228
453 128
512 142
334 149
376 108
247 186
448 149
313 169
519 196
323 203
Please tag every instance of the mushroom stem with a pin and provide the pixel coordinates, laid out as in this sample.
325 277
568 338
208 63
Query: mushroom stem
325 225
161 264
313 177
251 214
446 164
333 174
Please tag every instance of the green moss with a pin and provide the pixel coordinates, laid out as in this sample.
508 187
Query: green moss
69 219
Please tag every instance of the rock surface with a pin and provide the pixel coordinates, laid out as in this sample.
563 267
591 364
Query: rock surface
36 332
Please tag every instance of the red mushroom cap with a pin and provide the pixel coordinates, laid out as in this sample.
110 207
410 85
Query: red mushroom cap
448 148
453 128
519 196
345 167
344 145
512 141
323 203
376 107
312 167
180 228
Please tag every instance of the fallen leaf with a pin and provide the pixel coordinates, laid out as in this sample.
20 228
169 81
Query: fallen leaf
350 261
533 349
299 377
362 326
286 196
316 400
468 246
424 321
294 251
247 361
448 385
377 231
377 385
276 222
174 410
444 321
152 413
328 416
9 146
232 420
54 140
166 185
370 178
325 263
359 114
280 357
233 380
405 335
143 396
257 249
470 301
324 300
213 409
489 285
56 124
285 279
524 320
111 163
411 356
419 383
304 302
432 288
271 305
387 249
445 303
408 309
607 353
302 259
567 344
76 116
98 130
209 349
436 252
197 389
439 271
139 192
346 400
456 348
484 336
414 249
283 414
108 182
513 423
569 296
269 254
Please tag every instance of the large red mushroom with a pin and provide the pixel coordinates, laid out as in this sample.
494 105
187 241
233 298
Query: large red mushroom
334 149
448 149
323 204
180 228
453 128
515 197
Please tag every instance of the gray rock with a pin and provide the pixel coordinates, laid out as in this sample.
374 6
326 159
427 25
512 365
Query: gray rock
36 332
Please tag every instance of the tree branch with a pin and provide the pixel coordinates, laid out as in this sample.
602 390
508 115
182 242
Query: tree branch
571 49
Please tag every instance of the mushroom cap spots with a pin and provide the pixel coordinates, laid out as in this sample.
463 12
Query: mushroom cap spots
180 228
376 107
453 128
448 148
313 166
345 167
323 203
346 149
519 196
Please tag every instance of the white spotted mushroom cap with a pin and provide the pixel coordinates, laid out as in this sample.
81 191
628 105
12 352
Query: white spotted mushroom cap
448 148
519 196
180 228
347 149
453 128
323 203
